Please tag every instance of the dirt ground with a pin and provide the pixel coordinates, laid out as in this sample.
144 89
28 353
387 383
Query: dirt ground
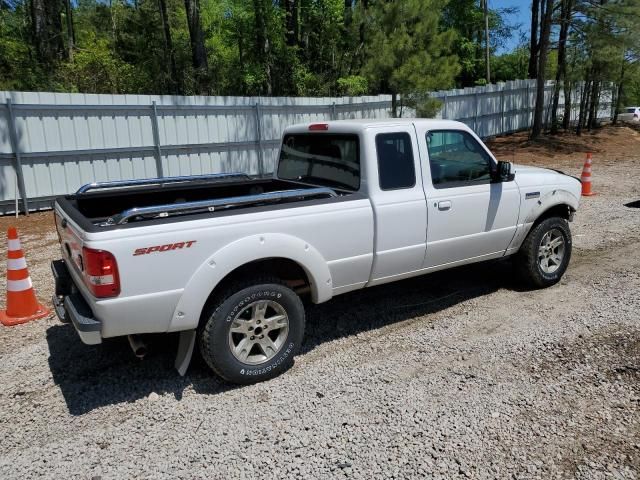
460 374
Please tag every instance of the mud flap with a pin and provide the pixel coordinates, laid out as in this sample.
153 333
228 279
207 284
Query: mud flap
185 351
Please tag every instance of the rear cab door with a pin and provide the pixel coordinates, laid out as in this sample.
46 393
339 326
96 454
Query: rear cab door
470 216
394 184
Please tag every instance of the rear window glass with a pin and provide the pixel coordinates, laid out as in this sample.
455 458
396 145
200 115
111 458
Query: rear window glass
329 160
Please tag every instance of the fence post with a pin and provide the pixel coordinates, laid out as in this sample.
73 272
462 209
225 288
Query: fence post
259 139
475 117
529 123
502 131
13 139
333 111
445 113
156 139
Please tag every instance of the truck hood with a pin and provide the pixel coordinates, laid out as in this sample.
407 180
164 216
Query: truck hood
527 169
527 176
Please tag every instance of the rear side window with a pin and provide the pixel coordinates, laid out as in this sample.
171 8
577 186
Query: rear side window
329 160
395 161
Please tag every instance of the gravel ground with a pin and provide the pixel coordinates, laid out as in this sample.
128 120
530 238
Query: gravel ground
461 374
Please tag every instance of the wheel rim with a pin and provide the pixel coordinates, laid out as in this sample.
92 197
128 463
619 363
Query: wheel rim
258 332
551 251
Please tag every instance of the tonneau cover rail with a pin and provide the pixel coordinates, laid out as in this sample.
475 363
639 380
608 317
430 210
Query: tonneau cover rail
161 181
160 211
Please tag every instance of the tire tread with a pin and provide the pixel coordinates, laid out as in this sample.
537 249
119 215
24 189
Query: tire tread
218 301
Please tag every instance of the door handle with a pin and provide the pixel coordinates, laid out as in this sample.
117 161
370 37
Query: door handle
444 205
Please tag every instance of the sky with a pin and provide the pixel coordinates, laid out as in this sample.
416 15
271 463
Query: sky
522 17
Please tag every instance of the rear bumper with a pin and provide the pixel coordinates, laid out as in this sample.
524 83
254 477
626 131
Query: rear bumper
71 307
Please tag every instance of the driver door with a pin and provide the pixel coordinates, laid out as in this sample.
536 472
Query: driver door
469 217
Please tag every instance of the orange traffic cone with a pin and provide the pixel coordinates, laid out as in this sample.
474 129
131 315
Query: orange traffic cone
586 177
22 304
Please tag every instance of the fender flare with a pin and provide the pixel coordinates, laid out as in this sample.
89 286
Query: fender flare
551 199
246 250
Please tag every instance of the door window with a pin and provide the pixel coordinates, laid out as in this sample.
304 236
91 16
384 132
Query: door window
395 161
457 159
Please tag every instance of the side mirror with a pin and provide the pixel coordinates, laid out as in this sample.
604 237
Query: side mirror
503 172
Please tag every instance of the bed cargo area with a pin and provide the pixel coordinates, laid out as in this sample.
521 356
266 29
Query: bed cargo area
117 203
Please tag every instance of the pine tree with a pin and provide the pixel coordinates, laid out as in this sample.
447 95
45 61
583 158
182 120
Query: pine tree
407 53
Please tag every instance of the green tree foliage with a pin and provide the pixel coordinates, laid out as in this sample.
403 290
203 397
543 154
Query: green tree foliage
245 47
406 51
602 46
511 65
466 18
17 69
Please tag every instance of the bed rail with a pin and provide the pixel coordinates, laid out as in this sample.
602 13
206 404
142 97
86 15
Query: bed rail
184 208
161 181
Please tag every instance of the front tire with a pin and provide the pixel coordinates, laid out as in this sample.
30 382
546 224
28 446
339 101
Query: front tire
545 253
252 331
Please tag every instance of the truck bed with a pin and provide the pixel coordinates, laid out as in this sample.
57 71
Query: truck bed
106 208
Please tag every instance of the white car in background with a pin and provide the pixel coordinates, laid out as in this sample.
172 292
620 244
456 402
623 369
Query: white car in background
630 114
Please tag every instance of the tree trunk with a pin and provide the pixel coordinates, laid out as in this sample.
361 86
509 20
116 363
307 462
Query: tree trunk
46 25
348 12
566 118
617 103
593 106
71 34
619 90
533 42
583 103
545 33
485 11
169 56
394 104
565 18
198 50
291 22
262 42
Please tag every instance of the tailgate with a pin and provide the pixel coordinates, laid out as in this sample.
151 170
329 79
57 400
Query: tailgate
70 241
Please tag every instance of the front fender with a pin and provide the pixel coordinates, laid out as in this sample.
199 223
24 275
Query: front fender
236 254
531 212
547 201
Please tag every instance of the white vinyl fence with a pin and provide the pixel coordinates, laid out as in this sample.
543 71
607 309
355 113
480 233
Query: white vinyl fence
53 143
508 107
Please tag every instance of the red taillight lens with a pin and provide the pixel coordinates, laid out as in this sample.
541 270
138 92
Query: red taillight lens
101 272
318 126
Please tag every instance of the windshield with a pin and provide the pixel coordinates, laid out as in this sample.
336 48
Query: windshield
329 160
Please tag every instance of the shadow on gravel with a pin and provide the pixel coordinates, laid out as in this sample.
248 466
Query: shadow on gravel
635 204
91 377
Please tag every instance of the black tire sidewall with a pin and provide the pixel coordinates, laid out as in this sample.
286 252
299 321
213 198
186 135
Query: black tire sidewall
218 353
542 278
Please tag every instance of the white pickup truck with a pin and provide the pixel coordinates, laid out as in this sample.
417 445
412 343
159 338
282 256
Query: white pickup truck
227 259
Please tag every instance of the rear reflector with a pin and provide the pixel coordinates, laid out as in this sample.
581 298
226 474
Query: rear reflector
319 126
101 272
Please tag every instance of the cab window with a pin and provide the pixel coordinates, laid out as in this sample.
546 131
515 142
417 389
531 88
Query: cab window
329 160
457 159
395 161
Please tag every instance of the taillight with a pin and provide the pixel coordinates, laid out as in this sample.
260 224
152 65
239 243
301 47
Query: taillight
100 272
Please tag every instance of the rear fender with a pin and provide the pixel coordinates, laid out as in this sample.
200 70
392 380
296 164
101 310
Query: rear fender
234 255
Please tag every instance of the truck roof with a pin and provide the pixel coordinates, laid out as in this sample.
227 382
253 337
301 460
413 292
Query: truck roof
364 123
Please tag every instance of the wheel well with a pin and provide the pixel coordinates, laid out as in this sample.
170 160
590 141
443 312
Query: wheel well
562 210
290 272
283 268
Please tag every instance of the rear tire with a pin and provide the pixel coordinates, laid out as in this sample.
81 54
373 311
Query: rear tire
252 330
545 253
